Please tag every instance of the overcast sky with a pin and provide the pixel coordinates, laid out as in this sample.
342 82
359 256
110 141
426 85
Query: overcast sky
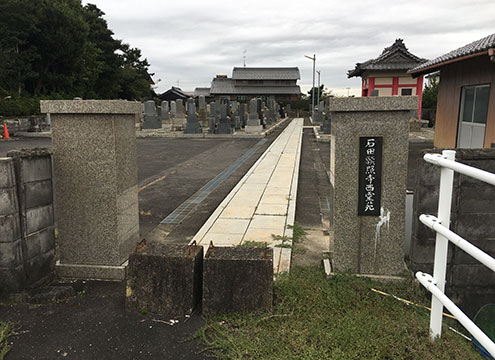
189 42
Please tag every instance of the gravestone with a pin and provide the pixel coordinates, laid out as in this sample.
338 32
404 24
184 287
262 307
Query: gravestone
224 122
192 126
368 168
243 114
165 279
202 112
319 116
173 109
96 185
259 109
151 119
325 128
237 279
164 115
253 122
179 121
265 117
212 118
236 118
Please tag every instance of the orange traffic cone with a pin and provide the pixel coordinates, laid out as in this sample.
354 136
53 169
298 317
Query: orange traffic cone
5 132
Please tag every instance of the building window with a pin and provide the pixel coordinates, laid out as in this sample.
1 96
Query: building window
406 92
375 92
474 106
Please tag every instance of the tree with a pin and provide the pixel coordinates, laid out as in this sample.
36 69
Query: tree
135 78
430 93
58 48
323 94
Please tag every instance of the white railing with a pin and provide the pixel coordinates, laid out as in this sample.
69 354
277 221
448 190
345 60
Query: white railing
436 283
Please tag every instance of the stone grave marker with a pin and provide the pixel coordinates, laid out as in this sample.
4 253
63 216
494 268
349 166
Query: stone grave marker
212 118
202 112
253 122
179 120
173 109
192 126
151 119
224 123
164 115
243 114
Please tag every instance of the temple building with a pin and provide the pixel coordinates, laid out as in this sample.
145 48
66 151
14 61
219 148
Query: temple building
249 82
387 74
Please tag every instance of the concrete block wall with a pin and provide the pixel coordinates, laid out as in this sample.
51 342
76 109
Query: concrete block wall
11 267
469 283
31 218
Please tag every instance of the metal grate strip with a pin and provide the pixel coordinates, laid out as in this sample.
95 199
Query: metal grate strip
184 209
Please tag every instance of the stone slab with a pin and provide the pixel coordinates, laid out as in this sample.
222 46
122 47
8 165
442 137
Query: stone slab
95 272
90 107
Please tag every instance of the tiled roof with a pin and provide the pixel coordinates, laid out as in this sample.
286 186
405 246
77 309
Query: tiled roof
266 73
205 91
268 90
225 86
394 57
175 90
472 48
222 86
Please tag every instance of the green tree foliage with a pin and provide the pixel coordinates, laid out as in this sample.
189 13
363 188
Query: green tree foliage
61 49
323 94
430 93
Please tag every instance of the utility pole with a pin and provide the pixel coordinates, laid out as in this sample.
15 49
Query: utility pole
318 102
244 57
313 90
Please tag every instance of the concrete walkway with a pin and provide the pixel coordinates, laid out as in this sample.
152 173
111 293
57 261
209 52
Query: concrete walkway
263 203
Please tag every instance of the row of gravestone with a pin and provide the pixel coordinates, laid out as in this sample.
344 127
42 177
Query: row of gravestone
224 117
322 118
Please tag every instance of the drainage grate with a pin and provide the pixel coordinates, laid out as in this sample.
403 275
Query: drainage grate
179 214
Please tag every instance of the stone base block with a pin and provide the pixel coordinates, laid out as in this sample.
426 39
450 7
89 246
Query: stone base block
237 279
11 280
165 279
91 272
252 129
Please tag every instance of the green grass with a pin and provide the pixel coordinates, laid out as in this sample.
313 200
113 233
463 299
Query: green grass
5 332
316 317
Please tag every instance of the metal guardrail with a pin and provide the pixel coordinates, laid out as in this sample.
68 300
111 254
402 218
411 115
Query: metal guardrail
436 283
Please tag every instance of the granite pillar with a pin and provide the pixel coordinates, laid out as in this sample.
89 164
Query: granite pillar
371 242
96 185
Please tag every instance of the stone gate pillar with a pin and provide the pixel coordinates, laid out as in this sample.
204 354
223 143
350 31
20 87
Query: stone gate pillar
95 180
368 170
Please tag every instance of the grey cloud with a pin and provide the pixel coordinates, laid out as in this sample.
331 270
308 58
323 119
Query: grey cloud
192 41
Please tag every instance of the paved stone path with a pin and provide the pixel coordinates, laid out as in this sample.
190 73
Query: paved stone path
261 207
